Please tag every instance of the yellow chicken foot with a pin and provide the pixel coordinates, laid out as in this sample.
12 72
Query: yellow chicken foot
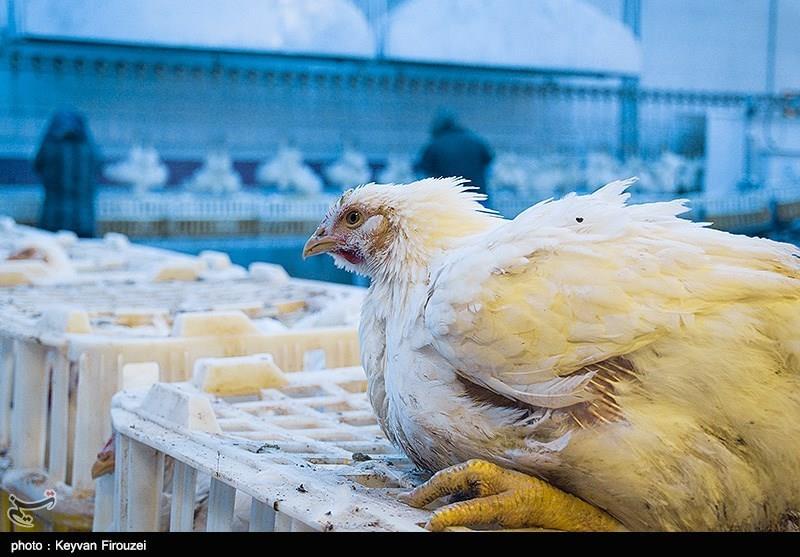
505 497
105 461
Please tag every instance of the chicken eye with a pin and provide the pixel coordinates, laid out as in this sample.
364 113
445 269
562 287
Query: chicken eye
353 219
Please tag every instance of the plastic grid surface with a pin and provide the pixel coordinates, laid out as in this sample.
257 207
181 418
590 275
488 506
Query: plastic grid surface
109 306
111 259
318 433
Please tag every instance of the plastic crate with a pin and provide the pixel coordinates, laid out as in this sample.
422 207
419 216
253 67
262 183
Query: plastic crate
184 214
111 259
743 223
60 403
787 213
198 207
168 214
308 455
87 320
66 349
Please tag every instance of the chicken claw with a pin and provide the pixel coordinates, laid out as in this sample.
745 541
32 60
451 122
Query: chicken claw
105 460
505 497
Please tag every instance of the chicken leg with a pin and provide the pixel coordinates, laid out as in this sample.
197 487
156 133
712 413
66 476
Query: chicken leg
505 497
105 460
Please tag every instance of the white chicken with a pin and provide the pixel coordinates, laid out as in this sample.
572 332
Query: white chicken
39 260
351 168
399 169
217 175
588 365
510 171
142 169
600 168
288 172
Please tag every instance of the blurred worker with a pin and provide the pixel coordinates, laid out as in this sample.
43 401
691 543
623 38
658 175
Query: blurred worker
455 151
67 163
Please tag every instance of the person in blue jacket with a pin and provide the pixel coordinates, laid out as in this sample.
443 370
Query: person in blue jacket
67 163
455 151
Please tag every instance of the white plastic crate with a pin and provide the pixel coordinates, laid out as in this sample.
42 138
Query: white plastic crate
111 259
190 206
744 204
23 204
66 349
62 390
181 213
308 455
108 326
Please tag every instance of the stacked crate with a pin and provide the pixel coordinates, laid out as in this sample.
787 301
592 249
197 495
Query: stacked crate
305 454
66 347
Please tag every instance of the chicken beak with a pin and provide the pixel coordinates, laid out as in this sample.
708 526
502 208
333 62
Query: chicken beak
317 245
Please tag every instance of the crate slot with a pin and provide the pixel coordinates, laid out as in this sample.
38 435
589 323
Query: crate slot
328 434
360 419
333 406
354 386
303 391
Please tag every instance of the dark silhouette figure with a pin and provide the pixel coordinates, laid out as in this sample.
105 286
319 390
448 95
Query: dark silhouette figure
455 151
67 163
